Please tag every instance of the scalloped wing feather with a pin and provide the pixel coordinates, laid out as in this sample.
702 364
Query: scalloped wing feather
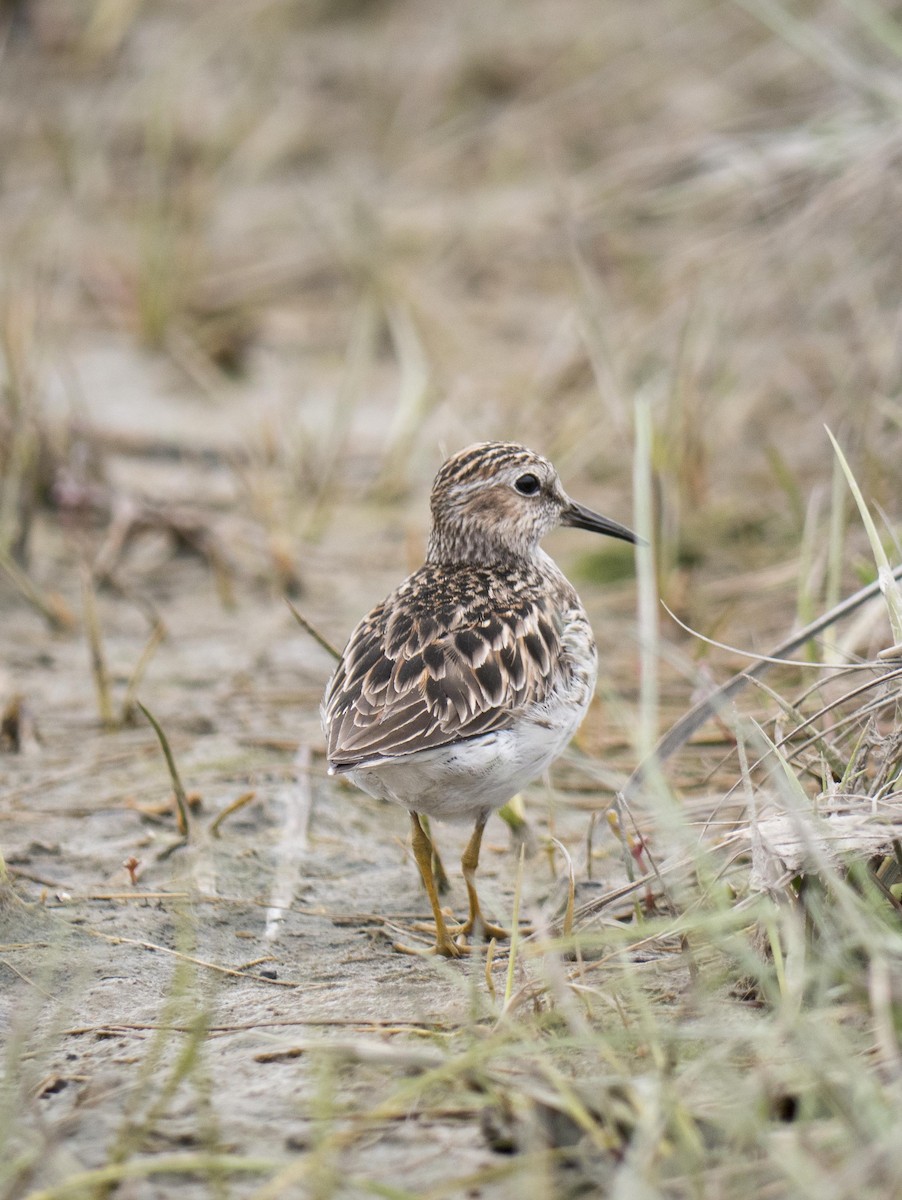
412 680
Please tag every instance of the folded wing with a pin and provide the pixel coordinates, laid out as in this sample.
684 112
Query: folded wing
408 681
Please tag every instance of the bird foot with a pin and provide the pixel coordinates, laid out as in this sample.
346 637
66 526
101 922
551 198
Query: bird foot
429 926
485 929
446 948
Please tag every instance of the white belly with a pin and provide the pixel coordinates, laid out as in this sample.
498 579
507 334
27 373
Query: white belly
466 778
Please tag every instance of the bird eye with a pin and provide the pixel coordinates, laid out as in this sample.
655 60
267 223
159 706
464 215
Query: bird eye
527 485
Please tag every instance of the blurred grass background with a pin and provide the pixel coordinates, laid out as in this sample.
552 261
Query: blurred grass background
393 227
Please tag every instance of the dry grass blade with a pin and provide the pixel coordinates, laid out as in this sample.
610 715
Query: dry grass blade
51 607
400 1058
489 978
567 928
99 669
297 810
208 1165
647 617
25 978
841 702
154 640
241 802
693 720
805 37
155 947
889 586
319 638
515 934
181 797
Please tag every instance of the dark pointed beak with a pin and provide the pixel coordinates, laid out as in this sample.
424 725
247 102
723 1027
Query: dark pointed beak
580 517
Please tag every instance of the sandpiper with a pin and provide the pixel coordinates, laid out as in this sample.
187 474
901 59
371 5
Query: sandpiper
472 676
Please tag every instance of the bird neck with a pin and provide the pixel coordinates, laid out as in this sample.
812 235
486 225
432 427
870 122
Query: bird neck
476 547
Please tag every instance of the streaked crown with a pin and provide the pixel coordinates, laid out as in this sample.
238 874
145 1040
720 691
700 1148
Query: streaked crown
495 501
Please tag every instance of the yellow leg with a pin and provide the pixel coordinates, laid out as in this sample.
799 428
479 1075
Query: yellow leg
439 874
422 852
469 864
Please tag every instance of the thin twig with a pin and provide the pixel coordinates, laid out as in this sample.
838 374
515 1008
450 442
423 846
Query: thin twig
25 978
117 940
384 1025
318 637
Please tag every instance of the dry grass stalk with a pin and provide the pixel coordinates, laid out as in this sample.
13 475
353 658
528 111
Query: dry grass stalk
181 798
99 670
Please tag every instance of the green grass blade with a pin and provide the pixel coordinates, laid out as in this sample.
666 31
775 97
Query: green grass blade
888 585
